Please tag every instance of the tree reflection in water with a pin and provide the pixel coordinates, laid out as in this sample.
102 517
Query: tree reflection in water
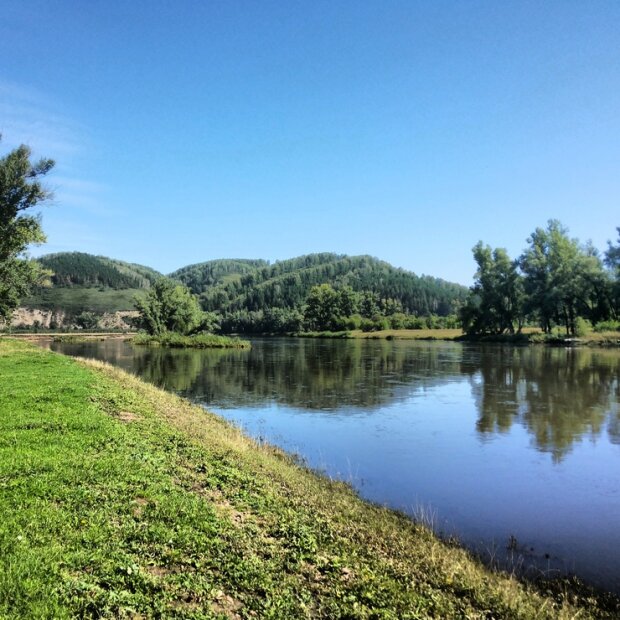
560 396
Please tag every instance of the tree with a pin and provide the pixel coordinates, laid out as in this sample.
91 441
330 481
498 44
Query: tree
20 190
322 305
495 304
169 307
612 260
563 280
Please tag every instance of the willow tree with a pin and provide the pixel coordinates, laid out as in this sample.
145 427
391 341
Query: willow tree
20 191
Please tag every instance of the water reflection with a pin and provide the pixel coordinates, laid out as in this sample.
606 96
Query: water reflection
501 441
560 396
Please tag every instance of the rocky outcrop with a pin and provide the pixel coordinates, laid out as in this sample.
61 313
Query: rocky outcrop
58 319
32 317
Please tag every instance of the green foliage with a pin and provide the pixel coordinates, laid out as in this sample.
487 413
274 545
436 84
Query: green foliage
20 190
86 320
582 327
199 277
169 307
196 341
495 304
78 269
256 285
322 308
612 260
556 281
607 326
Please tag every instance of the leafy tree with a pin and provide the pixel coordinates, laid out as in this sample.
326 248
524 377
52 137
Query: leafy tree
322 306
369 304
563 280
87 320
169 307
495 304
20 190
612 260
348 301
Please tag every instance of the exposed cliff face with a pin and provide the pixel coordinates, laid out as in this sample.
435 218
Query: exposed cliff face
56 319
28 317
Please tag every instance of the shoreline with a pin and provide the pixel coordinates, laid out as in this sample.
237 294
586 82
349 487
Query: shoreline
197 517
530 337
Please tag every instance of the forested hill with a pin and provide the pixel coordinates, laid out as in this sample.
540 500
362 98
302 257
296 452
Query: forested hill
78 269
202 276
84 283
256 285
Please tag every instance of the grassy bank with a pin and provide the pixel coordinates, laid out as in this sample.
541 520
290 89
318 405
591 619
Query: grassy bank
199 341
120 500
389 334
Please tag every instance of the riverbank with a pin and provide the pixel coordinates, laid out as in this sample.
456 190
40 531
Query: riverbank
122 500
528 336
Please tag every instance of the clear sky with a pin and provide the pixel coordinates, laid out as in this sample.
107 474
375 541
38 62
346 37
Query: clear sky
190 130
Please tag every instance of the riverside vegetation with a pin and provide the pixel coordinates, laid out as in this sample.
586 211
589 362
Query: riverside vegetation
557 283
120 500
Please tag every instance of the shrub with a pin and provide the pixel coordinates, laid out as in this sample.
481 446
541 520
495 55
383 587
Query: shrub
582 327
607 326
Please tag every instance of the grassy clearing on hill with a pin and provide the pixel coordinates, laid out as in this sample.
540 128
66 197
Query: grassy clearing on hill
78 299
121 500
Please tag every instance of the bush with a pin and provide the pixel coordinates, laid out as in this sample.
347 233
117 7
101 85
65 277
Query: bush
354 322
607 326
582 327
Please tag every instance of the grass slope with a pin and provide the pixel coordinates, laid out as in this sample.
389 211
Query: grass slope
120 500
84 282
77 299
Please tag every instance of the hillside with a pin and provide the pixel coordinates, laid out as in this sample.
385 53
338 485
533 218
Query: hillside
86 283
201 276
256 285
249 295
80 269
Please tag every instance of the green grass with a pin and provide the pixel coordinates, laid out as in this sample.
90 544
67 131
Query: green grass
199 341
118 500
78 299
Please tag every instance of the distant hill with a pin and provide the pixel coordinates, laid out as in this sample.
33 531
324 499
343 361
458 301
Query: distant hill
80 269
86 283
229 285
98 284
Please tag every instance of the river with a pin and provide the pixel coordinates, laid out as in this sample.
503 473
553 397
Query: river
513 450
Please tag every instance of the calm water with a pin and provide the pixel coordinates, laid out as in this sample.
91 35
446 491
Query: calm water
491 442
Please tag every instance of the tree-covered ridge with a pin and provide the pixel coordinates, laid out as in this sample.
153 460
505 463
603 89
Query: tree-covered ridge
287 284
201 276
78 269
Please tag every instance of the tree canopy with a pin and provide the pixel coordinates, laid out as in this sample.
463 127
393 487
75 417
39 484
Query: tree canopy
20 191
169 307
556 281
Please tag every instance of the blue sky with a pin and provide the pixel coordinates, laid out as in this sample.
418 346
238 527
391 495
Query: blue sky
191 130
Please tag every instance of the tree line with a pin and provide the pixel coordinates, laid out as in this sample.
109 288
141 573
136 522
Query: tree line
556 282
171 307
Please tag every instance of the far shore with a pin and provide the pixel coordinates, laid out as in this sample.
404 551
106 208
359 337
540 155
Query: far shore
529 335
